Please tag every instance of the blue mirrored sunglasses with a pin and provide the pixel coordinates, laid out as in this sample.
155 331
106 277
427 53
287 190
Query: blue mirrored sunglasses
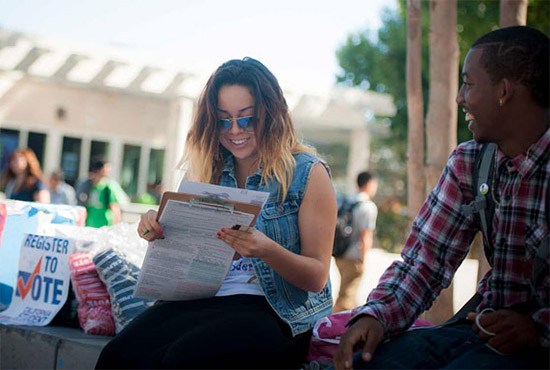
244 122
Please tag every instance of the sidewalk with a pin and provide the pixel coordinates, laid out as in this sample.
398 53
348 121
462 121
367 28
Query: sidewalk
50 347
377 260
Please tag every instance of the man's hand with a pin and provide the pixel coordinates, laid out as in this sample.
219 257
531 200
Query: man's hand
513 331
368 332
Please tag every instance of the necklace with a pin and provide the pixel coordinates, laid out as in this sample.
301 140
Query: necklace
518 186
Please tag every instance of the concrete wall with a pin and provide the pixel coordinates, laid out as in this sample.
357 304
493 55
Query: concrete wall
115 116
87 111
23 347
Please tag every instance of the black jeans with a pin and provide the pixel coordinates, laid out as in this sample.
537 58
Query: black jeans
454 346
240 331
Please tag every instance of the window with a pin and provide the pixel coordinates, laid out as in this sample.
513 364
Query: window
9 141
130 170
156 167
70 158
154 174
98 148
37 142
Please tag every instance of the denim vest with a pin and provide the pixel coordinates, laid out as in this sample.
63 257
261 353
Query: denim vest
279 221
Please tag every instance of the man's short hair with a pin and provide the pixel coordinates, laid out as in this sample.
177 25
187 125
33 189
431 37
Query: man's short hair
58 175
518 53
364 177
97 163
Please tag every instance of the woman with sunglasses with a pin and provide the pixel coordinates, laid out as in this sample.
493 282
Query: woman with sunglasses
242 136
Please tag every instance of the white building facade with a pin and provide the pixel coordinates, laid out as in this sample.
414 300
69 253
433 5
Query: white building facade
69 102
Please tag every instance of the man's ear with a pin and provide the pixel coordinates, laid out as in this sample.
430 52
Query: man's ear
506 91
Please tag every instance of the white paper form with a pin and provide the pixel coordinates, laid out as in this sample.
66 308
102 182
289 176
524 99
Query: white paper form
224 192
191 262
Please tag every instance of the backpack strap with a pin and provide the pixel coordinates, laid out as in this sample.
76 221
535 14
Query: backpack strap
83 192
483 204
107 195
468 307
485 208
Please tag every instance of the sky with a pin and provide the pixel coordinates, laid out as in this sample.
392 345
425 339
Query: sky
295 39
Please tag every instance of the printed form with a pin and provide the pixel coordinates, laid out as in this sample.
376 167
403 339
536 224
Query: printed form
191 262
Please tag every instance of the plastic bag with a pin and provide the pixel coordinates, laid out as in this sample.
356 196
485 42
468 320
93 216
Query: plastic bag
94 304
328 331
122 238
120 277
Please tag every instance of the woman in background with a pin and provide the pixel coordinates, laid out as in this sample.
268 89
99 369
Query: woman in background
22 178
262 316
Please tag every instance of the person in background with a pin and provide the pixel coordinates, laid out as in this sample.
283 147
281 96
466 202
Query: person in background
157 191
22 178
60 191
277 287
351 264
153 194
505 97
100 195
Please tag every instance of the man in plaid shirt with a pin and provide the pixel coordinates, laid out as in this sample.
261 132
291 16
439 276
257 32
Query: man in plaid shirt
505 96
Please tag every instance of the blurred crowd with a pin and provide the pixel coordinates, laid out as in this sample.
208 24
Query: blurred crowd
22 179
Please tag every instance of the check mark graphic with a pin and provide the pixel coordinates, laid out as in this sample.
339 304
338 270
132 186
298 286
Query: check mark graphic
24 288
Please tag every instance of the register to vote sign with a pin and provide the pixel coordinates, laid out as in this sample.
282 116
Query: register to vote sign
42 282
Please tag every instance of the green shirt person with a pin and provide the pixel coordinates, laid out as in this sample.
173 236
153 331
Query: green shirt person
100 196
103 204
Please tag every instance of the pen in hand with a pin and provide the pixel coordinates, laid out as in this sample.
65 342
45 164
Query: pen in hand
246 229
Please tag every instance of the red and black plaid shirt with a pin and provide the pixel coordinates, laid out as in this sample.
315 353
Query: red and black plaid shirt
441 236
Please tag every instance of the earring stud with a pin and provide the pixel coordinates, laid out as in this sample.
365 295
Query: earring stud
500 102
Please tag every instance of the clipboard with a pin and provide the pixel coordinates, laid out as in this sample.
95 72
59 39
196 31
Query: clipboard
199 260
210 202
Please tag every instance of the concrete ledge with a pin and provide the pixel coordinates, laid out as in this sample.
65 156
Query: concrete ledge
50 347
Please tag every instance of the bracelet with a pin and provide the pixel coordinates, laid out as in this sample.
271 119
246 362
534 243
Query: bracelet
478 317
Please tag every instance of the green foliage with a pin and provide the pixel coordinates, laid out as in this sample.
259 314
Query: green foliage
538 15
336 155
147 198
391 230
379 63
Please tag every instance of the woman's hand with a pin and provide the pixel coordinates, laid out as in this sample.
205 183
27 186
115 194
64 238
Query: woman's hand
148 228
251 243
309 269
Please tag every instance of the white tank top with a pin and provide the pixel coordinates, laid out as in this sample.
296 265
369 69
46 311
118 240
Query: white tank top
241 279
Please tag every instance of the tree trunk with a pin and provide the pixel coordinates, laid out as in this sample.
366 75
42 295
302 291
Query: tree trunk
415 111
513 13
441 130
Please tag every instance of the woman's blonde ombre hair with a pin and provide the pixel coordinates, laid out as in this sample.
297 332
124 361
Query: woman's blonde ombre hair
204 156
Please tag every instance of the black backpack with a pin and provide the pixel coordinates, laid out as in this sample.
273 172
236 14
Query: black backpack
344 228
83 193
